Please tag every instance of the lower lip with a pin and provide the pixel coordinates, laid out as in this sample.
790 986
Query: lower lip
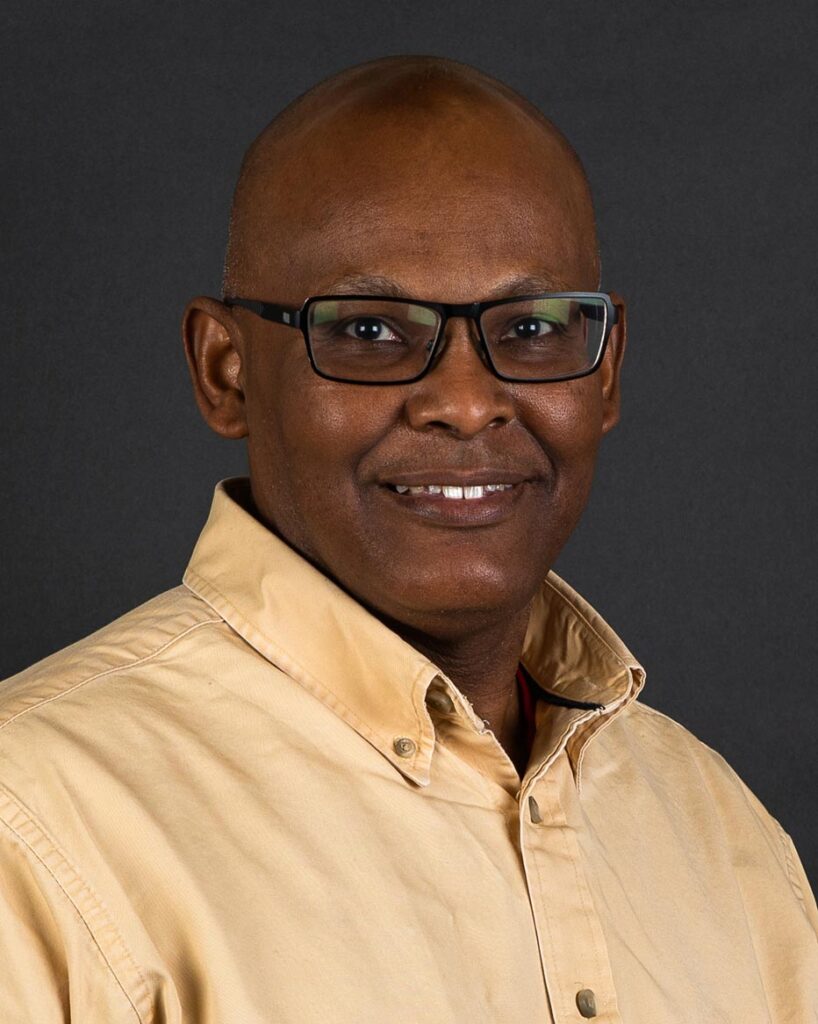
493 507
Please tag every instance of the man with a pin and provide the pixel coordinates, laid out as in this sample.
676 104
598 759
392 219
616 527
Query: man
372 761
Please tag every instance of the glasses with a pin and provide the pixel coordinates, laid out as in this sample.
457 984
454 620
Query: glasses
372 339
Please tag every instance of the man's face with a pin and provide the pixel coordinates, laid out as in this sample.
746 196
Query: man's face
481 211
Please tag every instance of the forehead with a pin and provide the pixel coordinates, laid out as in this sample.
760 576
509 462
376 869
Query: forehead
444 201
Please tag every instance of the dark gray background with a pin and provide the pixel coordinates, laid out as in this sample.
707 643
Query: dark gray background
123 130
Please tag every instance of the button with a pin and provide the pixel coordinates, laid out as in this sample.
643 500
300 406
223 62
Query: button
440 700
404 746
534 810
586 1002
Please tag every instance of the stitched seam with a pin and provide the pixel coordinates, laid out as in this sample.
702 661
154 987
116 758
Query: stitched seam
602 965
553 985
792 873
556 980
687 734
584 896
111 671
100 907
599 726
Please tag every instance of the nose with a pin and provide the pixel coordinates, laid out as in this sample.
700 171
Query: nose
459 394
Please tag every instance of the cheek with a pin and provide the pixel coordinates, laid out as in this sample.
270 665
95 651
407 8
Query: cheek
567 420
329 427
307 438
298 420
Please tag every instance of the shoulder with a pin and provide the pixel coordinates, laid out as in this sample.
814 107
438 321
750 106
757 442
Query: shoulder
666 746
97 663
89 730
672 757
696 787
78 765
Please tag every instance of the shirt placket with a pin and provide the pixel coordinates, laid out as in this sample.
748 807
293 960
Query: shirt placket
573 951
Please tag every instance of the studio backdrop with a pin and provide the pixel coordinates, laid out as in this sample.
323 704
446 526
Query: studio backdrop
123 129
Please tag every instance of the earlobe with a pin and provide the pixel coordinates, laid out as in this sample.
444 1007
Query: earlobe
611 367
211 339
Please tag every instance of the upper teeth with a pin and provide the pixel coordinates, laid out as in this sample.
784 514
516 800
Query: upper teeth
453 492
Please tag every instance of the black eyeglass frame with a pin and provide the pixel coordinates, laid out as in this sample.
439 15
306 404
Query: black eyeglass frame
298 317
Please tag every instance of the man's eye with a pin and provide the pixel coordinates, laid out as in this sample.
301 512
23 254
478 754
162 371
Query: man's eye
369 328
531 327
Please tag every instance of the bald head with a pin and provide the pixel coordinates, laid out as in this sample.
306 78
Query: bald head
424 133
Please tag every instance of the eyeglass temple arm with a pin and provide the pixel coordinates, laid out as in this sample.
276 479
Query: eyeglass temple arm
269 311
598 313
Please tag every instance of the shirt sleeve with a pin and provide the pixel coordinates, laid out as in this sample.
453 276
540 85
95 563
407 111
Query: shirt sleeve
52 970
799 881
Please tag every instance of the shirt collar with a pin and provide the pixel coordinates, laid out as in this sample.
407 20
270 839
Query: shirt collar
304 623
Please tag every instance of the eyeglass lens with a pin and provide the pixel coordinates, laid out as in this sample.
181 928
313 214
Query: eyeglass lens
391 340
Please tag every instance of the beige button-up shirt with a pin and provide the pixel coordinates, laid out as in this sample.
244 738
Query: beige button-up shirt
249 801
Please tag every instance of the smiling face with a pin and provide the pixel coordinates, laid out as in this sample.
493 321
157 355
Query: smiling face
440 192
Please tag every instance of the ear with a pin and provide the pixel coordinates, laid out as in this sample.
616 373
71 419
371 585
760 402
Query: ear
213 340
611 367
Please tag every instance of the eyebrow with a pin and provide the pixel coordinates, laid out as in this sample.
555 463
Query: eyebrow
375 284
368 284
529 284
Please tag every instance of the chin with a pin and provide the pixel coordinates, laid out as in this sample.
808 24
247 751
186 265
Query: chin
476 592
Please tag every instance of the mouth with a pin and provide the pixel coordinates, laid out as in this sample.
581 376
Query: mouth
458 505
451 492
